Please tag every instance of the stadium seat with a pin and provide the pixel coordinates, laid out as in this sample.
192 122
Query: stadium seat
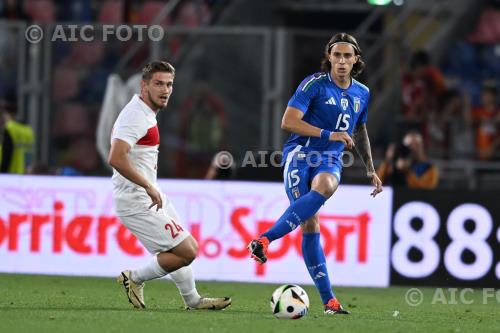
65 83
83 155
94 86
473 87
111 11
488 28
192 14
88 53
491 61
150 10
462 60
70 120
75 11
40 10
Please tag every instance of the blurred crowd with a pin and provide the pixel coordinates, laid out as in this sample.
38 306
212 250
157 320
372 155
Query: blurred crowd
457 121
449 112
80 69
449 109
456 105
189 13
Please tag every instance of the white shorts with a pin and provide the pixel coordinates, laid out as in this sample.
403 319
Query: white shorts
159 231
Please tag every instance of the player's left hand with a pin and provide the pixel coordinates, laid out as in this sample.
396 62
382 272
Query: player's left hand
377 183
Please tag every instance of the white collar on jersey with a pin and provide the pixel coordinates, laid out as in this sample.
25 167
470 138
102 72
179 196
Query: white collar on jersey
146 107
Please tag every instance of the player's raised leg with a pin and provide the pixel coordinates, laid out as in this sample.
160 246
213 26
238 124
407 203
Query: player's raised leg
297 213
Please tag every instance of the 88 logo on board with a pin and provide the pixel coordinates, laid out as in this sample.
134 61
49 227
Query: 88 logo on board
445 240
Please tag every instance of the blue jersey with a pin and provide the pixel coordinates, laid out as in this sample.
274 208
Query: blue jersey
327 106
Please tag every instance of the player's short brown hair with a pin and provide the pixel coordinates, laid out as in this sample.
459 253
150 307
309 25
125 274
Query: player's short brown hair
155 67
343 37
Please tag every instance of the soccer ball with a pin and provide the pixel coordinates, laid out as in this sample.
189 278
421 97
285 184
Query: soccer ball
289 302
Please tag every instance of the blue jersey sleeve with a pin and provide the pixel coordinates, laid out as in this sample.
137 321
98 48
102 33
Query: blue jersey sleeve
363 117
304 94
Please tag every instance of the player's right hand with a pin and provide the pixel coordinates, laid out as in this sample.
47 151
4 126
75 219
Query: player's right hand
155 196
342 137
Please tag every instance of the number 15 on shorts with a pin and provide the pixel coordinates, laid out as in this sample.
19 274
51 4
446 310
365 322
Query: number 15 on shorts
293 178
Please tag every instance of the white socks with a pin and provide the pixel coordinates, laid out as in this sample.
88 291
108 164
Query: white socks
184 280
148 272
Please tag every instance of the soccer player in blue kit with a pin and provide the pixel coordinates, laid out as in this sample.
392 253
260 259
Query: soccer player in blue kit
326 110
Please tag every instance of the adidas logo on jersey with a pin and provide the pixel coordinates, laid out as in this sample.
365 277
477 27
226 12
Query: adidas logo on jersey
331 101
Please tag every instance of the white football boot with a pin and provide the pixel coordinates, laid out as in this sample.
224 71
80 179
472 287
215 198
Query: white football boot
209 303
134 291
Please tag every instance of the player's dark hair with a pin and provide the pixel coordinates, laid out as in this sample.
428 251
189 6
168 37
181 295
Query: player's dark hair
490 90
155 67
358 67
8 104
420 59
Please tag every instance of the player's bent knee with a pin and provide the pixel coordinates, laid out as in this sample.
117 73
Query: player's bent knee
193 250
189 257
327 191
311 225
193 242
326 184
195 246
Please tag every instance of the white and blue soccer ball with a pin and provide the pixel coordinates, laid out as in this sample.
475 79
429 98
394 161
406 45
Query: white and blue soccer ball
289 302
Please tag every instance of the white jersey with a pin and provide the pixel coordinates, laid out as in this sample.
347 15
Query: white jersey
136 125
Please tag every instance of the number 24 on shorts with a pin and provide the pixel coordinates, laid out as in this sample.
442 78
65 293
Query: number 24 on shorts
174 228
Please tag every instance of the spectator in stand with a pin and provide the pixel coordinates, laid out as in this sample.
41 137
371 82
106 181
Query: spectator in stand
17 140
219 168
422 87
40 11
457 118
408 166
38 168
12 10
487 120
202 130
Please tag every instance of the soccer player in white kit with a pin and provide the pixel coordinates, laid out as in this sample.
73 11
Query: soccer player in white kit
140 205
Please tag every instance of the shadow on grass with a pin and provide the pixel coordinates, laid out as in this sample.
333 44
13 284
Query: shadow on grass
122 309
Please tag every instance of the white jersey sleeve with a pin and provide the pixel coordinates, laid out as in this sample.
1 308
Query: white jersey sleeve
130 127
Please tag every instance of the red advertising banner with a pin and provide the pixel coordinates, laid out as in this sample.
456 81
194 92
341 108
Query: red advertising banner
63 225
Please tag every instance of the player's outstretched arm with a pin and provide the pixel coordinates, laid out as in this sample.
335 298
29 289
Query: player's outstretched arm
118 159
362 144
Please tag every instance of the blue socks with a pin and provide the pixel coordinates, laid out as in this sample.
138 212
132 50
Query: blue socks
298 212
316 265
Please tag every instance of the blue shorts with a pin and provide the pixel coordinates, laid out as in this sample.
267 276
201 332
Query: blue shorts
300 168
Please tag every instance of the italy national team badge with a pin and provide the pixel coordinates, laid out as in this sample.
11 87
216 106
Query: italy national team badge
296 192
357 104
344 103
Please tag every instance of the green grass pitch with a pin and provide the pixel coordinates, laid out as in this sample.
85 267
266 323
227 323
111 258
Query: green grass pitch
31 303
